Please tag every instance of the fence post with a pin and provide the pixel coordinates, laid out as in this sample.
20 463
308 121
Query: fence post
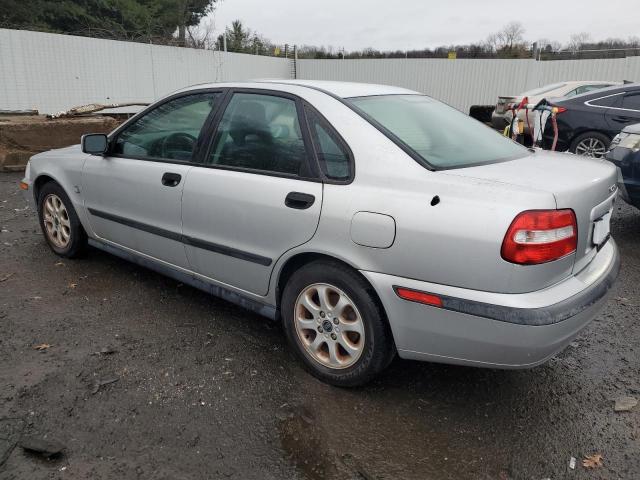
294 65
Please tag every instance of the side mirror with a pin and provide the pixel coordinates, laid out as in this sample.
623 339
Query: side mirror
94 143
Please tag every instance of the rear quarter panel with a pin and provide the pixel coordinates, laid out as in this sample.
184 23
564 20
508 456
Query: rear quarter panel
456 242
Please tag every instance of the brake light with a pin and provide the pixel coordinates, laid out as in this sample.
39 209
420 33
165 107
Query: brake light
559 109
540 236
418 296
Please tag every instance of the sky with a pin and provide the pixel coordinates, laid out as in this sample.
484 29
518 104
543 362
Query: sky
413 24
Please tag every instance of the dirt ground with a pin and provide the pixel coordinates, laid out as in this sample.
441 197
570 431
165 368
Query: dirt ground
206 390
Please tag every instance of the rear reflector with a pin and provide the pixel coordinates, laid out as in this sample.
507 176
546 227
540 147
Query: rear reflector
540 236
24 186
418 296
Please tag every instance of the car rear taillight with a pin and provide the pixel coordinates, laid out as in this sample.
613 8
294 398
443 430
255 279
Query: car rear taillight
540 236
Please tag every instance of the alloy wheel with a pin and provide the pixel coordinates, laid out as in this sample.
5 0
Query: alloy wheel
591 147
329 326
56 221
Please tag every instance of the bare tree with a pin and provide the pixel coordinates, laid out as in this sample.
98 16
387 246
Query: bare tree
549 45
507 42
578 40
512 35
201 36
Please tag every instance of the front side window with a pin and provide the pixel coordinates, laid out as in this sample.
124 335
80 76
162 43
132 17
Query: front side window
332 153
442 136
169 131
260 132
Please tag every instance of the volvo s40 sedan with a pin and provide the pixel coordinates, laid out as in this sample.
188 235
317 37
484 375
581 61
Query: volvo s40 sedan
372 220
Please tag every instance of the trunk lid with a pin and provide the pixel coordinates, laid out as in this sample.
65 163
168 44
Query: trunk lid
504 103
586 185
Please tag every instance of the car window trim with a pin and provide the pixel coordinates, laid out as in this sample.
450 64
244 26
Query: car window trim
589 104
342 142
113 136
310 159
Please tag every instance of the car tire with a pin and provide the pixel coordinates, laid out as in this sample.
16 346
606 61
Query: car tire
59 222
591 144
329 343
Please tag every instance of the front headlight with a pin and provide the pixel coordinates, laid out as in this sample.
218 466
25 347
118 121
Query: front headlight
630 141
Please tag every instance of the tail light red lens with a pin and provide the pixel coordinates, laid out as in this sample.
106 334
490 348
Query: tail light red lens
540 236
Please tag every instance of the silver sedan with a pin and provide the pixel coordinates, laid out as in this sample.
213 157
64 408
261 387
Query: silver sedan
372 220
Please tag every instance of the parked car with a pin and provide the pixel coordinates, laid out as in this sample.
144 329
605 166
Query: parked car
370 219
587 123
625 155
502 114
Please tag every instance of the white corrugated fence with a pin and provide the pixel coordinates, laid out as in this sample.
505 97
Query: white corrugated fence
52 72
466 82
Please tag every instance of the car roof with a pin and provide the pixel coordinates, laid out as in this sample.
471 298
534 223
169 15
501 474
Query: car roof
603 92
338 89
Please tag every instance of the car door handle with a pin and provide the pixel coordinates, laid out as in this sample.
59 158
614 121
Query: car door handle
621 119
171 179
299 200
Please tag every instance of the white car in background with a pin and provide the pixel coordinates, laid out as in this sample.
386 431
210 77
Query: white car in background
502 116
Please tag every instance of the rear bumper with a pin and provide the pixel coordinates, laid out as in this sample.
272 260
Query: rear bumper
497 330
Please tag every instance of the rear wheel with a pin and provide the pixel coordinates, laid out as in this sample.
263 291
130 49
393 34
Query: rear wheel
335 325
59 222
590 144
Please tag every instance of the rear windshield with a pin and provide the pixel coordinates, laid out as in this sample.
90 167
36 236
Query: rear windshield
441 136
543 90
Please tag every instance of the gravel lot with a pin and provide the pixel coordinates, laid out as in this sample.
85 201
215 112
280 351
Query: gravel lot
207 390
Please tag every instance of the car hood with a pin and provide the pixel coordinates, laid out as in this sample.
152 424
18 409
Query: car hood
58 151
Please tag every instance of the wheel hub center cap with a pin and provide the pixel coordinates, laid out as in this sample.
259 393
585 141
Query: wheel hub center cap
327 326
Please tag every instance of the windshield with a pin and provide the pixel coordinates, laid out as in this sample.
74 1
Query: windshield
442 136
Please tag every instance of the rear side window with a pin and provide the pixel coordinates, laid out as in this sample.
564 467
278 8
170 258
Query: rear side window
631 102
608 101
333 155
260 132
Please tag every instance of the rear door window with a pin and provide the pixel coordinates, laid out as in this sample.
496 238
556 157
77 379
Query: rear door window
260 132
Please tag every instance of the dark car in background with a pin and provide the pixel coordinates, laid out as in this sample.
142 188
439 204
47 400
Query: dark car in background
625 154
587 123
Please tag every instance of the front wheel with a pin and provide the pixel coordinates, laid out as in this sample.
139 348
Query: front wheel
590 144
59 222
335 324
